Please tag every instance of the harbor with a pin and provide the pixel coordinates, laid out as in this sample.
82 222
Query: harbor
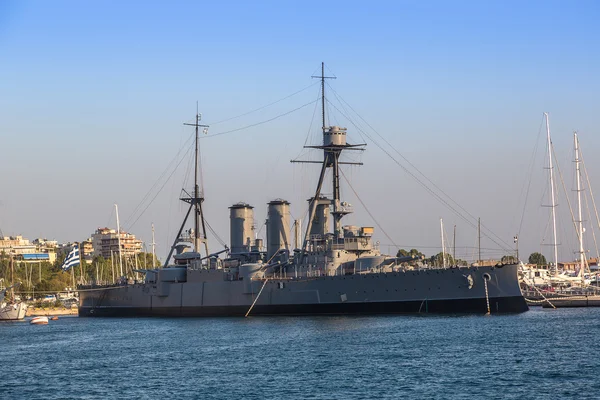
299 200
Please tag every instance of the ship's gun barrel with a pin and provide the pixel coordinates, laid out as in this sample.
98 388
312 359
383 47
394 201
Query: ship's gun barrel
406 259
215 254
143 271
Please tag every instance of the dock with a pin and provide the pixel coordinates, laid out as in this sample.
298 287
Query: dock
573 302
561 299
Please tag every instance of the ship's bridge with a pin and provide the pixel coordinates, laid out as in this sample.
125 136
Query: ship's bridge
355 239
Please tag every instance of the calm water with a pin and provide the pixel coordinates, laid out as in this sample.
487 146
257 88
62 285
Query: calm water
542 354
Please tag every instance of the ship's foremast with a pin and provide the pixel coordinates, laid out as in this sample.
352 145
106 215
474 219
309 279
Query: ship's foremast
195 200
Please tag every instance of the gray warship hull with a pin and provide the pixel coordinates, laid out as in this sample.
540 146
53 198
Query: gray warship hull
209 293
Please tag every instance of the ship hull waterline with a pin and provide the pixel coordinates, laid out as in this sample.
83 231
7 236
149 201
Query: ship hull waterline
456 306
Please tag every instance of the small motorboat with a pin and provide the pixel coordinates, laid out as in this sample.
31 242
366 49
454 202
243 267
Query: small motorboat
55 318
39 321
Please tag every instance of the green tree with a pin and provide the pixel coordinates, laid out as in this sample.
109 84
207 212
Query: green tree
509 259
145 261
412 253
402 253
537 258
416 253
438 260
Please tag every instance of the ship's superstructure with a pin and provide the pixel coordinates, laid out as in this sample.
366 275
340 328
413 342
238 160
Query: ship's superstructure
331 269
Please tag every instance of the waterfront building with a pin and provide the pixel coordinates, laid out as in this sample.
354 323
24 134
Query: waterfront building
87 250
22 249
574 265
106 240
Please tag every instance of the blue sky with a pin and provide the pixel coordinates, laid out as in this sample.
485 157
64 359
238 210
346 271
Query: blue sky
93 96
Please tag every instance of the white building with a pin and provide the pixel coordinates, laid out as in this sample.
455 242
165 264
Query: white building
106 240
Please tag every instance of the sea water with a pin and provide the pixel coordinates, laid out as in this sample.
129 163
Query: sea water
540 354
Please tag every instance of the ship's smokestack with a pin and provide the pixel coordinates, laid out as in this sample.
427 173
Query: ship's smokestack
278 226
320 223
241 232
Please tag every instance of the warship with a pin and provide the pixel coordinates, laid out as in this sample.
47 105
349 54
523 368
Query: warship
332 269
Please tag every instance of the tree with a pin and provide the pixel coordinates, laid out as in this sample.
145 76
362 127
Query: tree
414 253
402 253
438 260
145 261
537 258
509 260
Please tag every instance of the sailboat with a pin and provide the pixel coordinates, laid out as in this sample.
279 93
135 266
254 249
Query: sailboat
335 269
580 280
585 295
11 310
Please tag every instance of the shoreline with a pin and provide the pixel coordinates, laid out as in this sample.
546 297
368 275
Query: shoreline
47 312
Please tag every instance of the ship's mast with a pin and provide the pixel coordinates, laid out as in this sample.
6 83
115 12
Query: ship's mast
580 221
198 196
331 159
323 77
332 148
195 200
552 198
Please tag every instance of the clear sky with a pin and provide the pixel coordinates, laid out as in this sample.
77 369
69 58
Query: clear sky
93 96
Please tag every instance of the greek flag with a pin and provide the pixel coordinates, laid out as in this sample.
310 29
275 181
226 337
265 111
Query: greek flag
72 259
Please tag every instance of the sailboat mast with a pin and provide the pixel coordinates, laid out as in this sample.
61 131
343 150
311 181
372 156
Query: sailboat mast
454 246
112 265
12 277
119 241
153 248
552 196
479 241
443 244
78 245
580 221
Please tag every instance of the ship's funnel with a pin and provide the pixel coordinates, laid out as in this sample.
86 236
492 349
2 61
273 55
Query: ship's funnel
241 232
320 223
278 226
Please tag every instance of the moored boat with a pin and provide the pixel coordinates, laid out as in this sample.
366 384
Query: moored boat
13 310
42 320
